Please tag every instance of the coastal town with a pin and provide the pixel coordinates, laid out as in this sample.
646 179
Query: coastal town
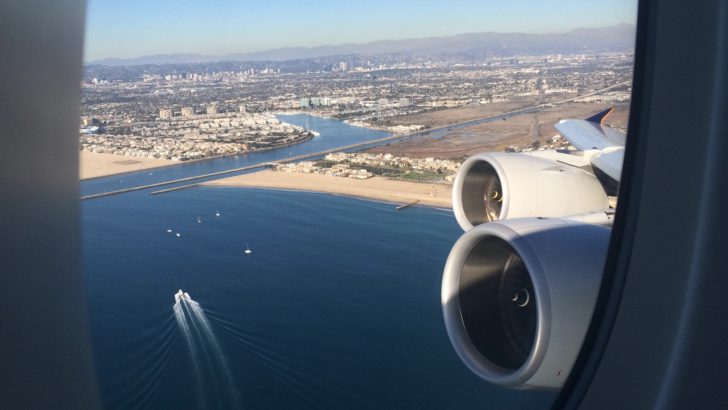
192 136
152 115
211 109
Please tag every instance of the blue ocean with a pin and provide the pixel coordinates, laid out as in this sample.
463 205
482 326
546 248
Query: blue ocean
337 306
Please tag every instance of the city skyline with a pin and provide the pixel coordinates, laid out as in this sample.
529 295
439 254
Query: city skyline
222 26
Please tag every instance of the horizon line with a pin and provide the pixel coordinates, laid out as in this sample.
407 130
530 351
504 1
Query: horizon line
180 53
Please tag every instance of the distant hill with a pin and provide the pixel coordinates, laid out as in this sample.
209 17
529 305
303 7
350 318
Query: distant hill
584 40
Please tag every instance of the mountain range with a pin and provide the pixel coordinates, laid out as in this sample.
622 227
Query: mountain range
620 37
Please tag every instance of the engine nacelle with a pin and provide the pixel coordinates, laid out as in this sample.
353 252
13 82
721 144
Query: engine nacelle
518 296
496 186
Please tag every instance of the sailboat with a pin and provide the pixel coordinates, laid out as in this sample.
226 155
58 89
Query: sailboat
247 250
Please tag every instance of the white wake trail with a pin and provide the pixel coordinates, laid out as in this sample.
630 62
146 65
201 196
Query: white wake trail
192 348
210 364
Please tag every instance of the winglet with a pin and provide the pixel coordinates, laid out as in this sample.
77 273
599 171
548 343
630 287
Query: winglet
600 117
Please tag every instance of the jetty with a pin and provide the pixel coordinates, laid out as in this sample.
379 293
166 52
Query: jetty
403 206
238 170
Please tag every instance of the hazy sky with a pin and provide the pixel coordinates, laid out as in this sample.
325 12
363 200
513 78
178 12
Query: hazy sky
133 28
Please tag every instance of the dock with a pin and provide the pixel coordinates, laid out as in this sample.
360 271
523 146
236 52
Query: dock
403 206
176 188
176 181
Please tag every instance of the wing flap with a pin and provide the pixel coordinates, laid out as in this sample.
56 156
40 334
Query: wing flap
586 135
609 161
603 146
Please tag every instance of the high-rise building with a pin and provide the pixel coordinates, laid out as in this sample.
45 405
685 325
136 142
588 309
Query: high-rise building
343 66
242 108
305 103
165 114
212 109
188 111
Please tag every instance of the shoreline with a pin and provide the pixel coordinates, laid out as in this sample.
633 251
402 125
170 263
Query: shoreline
309 191
93 165
105 161
376 188
150 167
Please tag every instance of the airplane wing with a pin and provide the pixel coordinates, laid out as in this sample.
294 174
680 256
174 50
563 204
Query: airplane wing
603 146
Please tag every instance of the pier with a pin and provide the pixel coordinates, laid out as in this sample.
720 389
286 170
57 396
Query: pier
403 206
175 181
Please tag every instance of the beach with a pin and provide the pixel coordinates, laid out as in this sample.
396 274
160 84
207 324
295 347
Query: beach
94 165
377 188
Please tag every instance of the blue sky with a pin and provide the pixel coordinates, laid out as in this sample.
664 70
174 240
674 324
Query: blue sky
133 28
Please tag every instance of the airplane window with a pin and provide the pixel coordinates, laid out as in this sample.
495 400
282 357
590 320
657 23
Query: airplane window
348 205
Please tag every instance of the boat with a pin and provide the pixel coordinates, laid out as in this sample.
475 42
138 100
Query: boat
180 295
247 250
217 213
169 231
199 221
178 234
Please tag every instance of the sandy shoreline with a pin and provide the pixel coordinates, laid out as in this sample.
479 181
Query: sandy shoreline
95 165
378 188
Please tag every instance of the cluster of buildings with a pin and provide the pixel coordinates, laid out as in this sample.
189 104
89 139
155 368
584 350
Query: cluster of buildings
371 92
212 109
364 165
158 148
614 97
192 111
337 170
194 136
440 166
555 142
315 102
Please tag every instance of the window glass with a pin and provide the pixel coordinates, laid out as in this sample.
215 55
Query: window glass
267 195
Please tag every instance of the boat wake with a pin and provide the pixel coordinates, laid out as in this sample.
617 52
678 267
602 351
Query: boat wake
215 385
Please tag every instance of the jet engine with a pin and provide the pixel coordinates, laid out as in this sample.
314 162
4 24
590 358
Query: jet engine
518 295
495 186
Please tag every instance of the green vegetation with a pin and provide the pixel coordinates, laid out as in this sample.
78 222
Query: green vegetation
325 163
377 170
422 176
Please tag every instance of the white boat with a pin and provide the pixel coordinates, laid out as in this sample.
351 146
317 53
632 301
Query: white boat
178 234
247 250
181 295
217 213
169 231
199 221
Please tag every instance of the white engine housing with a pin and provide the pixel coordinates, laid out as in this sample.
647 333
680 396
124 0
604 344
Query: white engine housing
518 297
531 185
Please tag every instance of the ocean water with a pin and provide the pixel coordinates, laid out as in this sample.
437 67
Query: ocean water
337 306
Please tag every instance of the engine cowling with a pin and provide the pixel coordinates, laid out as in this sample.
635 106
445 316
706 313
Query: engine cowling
518 296
496 186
